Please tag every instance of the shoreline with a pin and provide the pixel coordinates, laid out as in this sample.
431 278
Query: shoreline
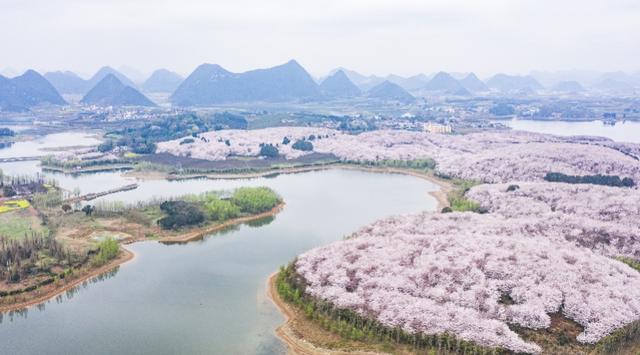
440 195
127 255
296 344
201 232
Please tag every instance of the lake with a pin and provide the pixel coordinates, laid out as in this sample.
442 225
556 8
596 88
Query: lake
628 131
206 297
38 146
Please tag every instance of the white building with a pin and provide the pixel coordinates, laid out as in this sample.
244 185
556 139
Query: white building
431 127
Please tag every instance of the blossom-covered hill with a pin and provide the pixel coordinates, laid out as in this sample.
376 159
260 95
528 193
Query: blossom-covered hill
495 156
548 246
436 273
602 218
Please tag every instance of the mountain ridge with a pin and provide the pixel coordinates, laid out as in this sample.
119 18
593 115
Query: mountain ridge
211 84
339 85
162 80
26 91
390 91
110 91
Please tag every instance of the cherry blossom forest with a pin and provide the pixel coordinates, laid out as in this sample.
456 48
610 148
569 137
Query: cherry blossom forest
493 156
550 247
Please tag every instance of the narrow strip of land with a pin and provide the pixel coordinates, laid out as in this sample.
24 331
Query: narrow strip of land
295 343
47 292
51 291
201 232
440 195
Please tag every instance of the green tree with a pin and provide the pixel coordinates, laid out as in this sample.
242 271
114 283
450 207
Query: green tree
108 249
88 210
221 210
255 199
269 151
303 145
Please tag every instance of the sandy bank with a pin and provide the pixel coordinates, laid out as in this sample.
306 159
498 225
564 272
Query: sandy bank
296 344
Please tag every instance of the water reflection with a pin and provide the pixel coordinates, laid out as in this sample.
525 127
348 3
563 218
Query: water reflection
60 298
257 223
41 146
209 296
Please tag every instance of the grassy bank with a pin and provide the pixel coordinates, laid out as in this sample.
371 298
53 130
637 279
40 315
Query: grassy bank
458 202
80 241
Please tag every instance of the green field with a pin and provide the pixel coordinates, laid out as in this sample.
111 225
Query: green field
20 223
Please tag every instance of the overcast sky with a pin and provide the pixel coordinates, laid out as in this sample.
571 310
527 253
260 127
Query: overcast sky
373 37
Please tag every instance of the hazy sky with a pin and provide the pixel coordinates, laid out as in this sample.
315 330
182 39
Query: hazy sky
371 36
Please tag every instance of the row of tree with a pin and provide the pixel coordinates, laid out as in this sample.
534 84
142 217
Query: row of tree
142 139
416 164
193 210
72 164
351 325
21 258
607 180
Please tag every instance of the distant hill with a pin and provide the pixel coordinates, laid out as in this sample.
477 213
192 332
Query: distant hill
135 75
162 80
362 81
27 90
67 82
12 98
110 91
390 91
509 83
443 82
103 72
205 85
339 85
620 76
610 84
547 78
212 84
411 83
473 84
460 92
567 86
458 75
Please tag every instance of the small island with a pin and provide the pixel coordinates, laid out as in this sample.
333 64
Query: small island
52 240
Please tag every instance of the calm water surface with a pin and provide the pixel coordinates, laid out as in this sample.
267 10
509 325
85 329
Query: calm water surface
34 148
628 131
205 297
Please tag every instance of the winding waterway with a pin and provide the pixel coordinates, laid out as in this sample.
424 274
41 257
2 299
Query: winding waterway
205 297
208 297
